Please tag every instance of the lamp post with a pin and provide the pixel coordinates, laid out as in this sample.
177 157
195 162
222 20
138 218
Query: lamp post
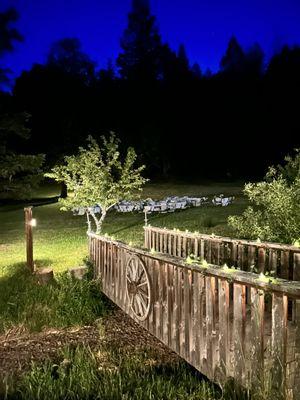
29 223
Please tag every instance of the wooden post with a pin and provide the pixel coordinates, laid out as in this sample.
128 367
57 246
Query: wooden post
29 238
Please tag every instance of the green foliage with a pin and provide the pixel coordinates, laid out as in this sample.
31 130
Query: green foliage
65 303
97 176
276 212
20 174
291 170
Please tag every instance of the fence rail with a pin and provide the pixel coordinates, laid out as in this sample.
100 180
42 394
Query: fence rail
282 260
202 314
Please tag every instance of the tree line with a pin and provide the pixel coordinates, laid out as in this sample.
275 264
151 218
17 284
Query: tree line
182 121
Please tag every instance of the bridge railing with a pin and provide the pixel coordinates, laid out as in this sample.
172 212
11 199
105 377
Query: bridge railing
281 260
201 312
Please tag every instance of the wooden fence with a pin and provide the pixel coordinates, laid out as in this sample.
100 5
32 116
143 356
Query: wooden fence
282 260
201 313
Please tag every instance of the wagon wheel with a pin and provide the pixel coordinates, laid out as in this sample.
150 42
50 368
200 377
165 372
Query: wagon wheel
138 288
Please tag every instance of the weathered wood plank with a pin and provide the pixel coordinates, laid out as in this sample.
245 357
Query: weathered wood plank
180 314
257 337
170 302
284 264
187 312
165 291
194 338
239 324
279 340
224 329
261 259
176 311
210 324
183 252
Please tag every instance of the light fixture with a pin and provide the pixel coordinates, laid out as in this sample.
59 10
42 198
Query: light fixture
32 222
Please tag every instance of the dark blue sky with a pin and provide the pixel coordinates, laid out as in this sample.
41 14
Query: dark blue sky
204 26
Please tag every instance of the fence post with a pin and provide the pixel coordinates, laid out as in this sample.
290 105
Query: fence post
29 238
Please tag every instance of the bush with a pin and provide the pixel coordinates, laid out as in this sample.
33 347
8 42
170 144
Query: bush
276 212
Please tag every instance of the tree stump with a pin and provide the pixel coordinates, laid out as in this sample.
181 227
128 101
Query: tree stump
44 276
78 272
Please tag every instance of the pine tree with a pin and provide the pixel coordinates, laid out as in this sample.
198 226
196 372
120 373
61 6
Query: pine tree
234 59
183 58
141 45
19 173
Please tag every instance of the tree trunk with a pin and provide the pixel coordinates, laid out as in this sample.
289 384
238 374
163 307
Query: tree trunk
88 222
100 221
63 191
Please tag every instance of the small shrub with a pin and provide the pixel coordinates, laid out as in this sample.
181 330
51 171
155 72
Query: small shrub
276 212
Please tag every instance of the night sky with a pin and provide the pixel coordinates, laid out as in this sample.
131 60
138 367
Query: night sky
204 26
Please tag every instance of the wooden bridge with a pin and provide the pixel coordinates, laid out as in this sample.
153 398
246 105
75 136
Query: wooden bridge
226 323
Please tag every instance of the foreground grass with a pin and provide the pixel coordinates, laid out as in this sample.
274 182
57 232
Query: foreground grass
110 375
60 238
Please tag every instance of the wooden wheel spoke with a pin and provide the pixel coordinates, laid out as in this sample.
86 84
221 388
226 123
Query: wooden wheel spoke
131 300
142 284
130 271
144 294
139 303
135 271
140 275
143 302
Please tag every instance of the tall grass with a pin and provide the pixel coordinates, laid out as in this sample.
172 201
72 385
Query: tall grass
82 374
64 303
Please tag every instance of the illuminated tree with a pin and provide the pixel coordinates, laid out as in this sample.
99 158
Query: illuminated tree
96 176
275 214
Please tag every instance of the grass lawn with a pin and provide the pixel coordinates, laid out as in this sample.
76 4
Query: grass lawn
60 239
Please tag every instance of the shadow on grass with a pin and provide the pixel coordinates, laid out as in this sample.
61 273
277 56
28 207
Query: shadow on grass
13 205
65 302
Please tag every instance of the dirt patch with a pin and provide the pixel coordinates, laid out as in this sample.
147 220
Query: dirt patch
122 331
19 349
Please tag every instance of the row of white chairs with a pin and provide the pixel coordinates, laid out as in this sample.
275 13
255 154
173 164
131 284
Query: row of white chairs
169 204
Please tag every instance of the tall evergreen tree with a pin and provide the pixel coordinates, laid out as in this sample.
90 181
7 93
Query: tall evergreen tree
196 70
67 56
19 173
8 36
234 59
182 57
141 45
